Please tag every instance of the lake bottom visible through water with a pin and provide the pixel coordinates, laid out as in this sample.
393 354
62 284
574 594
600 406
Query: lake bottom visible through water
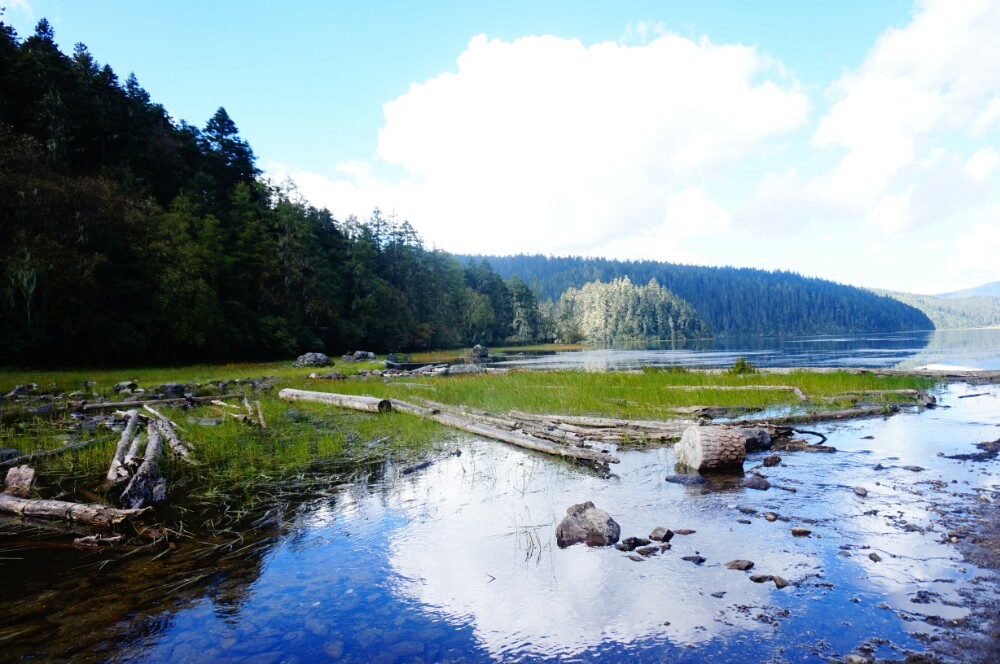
458 561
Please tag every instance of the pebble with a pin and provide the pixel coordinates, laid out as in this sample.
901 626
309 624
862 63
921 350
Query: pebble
685 531
697 560
756 482
875 558
861 491
801 532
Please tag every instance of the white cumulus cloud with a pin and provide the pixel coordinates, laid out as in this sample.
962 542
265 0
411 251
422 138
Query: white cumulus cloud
570 147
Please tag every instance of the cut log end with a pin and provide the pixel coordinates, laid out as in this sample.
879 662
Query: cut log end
711 448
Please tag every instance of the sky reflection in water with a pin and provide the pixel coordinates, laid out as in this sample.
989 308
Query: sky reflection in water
460 559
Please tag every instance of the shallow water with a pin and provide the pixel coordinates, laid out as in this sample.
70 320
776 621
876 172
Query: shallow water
979 349
458 561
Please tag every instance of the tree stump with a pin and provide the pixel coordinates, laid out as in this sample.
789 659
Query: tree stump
711 448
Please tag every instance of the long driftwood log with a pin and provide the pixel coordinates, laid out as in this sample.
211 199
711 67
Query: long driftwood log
44 453
117 405
456 421
741 388
146 486
96 515
365 403
117 472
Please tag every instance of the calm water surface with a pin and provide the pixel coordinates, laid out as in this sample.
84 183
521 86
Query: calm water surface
979 349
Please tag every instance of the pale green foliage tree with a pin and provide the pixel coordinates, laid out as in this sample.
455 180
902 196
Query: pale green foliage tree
622 311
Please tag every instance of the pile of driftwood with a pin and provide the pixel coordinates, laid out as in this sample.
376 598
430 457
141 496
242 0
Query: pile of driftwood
135 464
575 437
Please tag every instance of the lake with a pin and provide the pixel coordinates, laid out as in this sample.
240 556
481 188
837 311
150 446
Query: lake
458 562
978 349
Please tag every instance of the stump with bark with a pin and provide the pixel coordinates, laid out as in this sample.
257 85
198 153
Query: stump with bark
711 448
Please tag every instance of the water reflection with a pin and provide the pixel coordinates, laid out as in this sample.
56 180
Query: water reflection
961 348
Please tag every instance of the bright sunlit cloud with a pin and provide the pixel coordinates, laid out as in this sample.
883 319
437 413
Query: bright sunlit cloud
663 147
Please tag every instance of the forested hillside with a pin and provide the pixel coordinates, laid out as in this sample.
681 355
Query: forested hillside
953 313
733 301
129 237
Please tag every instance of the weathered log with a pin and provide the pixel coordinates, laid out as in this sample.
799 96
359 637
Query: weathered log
413 409
456 421
260 415
115 472
96 515
667 426
741 388
711 448
44 453
160 416
111 405
19 480
174 442
355 402
523 440
132 456
145 485
823 415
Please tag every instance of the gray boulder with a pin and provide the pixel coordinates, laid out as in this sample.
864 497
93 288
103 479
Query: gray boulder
479 353
459 369
587 524
125 385
313 360
361 356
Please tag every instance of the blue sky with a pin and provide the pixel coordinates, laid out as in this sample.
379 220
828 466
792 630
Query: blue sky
855 141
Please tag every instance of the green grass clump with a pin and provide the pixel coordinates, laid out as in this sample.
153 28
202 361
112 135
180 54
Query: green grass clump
307 447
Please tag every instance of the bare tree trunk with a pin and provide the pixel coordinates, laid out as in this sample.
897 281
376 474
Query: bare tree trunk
115 472
368 404
145 486
97 515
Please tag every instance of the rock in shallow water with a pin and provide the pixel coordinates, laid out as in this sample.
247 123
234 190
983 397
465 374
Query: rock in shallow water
587 524
741 565
758 482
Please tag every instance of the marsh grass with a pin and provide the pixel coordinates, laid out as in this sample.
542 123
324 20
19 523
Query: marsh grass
308 448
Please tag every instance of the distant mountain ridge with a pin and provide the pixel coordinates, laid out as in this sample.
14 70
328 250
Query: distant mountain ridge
733 301
991 289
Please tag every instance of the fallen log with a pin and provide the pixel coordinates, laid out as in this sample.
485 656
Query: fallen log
667 426
44 453
94 514
364 403
174 442
524 440
711 448
820 415
112 405
455 421
116 472
145 486
741 388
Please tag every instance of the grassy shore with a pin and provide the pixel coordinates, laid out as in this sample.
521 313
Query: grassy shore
308 446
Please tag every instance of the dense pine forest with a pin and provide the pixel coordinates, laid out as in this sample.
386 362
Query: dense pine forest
733 301
130 237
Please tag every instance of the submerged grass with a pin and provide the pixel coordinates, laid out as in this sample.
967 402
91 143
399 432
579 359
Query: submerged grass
308 447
